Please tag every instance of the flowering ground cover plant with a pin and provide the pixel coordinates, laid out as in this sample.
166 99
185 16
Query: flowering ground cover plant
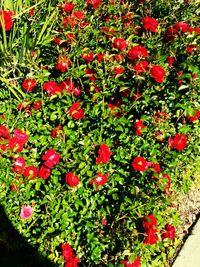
99 116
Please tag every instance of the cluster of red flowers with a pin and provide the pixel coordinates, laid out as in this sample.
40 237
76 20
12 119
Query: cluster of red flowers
70 258
15 143
53 88
149 224
6 19
179 142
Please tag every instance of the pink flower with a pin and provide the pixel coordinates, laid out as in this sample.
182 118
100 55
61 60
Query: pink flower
26 212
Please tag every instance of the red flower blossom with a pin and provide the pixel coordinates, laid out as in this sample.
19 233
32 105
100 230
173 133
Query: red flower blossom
75 111
100 179
19 165
100 56
29 84
51 158
171 33
139 125
68 7
57 132
157 73
104 154
37 105
196 30
69 256
137 52
156 167
44 172
179 141
182 26
169 232
94 3
4 132
91 74
15 144
71 179
52 88
119 70
120 44
139 164
79 15
135 263
149 222
193 118
141 66
88 57
170 61
152 237
63 64
21 136
6 19
150 24
191 48
31 172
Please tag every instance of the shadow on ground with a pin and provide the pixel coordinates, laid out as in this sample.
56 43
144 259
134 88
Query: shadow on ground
14 249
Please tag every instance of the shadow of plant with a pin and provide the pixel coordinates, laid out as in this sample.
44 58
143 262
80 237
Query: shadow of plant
15 250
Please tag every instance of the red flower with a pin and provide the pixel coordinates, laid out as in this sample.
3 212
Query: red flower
68 7
139 125
151 238
57 132
171 33
150 24
137 52
139 164
149 222
190 49
69 257
157 73
156 167
63 64
30 172
170 60
75 111
88 57
120 44
179 141
15 144
119 57
91 74
51 158
71 179
29 84
100 179
193 118
119 70
44 172
169 232
52 88
21 136
19 165
94 3
4 132
135 263
67 85
182 26
100 56
104 154
6 19
79 15
37 105
141 66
